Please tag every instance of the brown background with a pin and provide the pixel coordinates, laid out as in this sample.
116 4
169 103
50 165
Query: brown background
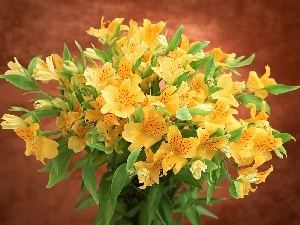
268 28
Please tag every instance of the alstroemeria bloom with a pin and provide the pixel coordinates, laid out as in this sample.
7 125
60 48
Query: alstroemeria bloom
15 68
77 142
254 83
134 49
39 146
146 133
149 172
12 122
177 150
249 176
123 100
45 71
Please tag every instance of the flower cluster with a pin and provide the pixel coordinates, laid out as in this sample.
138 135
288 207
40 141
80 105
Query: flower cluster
157 112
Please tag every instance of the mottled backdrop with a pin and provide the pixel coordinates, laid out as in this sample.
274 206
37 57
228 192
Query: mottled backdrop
268 28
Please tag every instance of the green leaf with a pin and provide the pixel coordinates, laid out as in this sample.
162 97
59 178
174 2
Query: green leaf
165 211
210 165
119 180
198 111
58 170
210 67
186 133
89 178
196 65
197 47
213 89
20 81
234 189
280 152
86 202
235 134
130 162
284 136
99 146
238 63
32 65
107 208
153 200
175 40
205 212
186 176
181 78
183 113
249 98
80 65
82 53
138 114
191 212
143 214
66 53
102 55
277 89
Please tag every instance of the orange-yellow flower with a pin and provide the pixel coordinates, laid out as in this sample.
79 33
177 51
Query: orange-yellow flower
177 150
146 133
123 100
39 146
254 83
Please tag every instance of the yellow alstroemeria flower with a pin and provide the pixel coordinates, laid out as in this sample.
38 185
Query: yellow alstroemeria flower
207 147
168 98
99 77
146 133
177 150
254 83
15 68
12 122
197 168
264 143
169 68
220 56
229 89
106 34
186 95
149 172
198 85
125 71
77 142
39 146
149 32
222 112
249 176
134 49
45 71
122 100
241 149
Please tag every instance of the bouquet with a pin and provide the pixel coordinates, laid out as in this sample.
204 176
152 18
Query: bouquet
161 115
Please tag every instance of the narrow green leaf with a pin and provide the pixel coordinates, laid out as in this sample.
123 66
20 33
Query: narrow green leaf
153 200
238 63
119 180
86 202
138 114
143 214
165 211
210 165
175 40
197 47
32 65
101 55
205 212
191 212
210 67
130 162
107 208
181 78
183 113
89 178
277 89
81 52
235 134
20 81
58 170
284 136
186 176
196 65
234 188
249 98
